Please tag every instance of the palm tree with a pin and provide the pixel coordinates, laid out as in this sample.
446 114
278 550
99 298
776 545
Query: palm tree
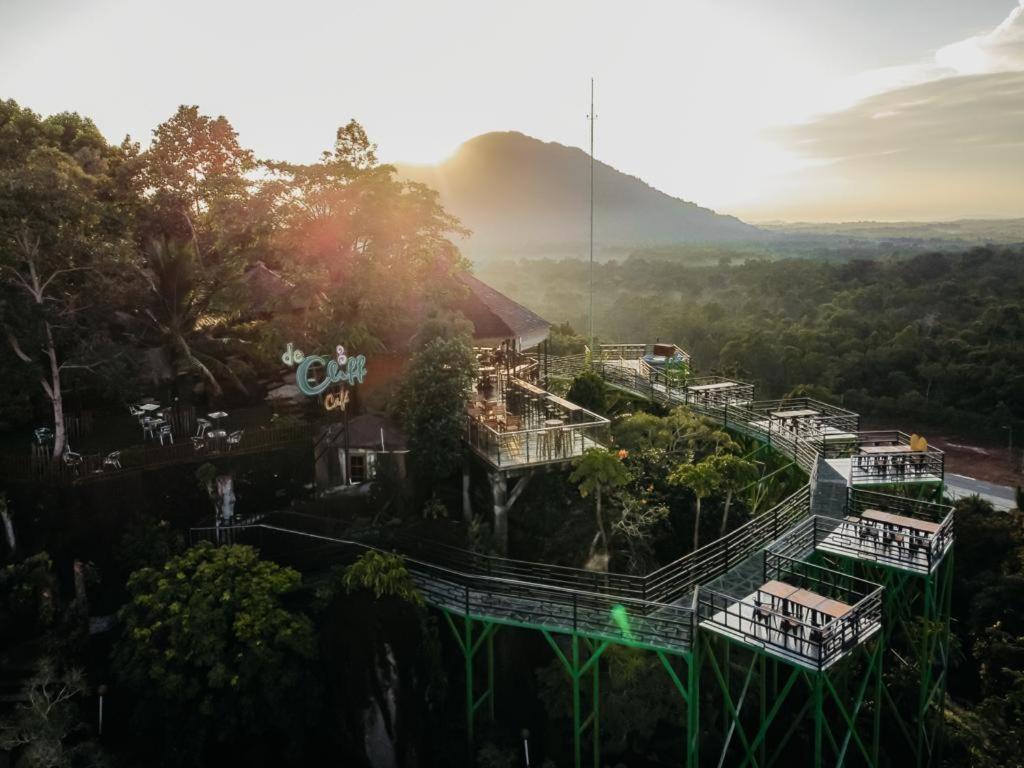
179 296
736 474
597 470
703 479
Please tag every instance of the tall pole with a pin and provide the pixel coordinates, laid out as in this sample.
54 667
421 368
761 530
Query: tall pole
591 314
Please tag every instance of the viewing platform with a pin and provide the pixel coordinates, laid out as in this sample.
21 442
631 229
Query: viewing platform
513 423
804 417
716 392
802 613
894 531
884 458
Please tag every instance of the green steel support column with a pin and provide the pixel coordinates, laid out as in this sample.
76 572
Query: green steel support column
574 674
916 611
490 674
874 651
576 668
924 690
693 707
763 684
819 717
690 694
469 647
467 657
595 725
876 725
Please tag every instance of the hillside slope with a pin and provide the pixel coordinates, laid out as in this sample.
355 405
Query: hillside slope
522 196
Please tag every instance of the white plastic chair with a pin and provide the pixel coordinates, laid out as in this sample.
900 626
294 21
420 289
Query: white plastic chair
165 431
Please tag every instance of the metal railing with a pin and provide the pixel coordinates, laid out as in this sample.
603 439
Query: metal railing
679 578
789 631
537 445
915 546
29 468
598 614
827 419
620 351
885 457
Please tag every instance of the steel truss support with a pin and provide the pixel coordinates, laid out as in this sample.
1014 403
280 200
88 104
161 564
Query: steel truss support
577 668
762 711
916 611
689 691
470 646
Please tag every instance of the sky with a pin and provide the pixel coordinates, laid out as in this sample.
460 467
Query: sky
800 110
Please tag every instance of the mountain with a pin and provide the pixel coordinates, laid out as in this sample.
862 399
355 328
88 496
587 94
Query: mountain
522 196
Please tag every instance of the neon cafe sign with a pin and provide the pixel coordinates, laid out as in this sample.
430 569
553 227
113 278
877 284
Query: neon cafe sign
340 369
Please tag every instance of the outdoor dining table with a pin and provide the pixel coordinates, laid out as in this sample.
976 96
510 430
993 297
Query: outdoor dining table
149 407
709 387
795 414
216 416
911 524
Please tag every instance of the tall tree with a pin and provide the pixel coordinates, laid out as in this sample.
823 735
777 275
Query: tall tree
62 246
702 479
432 398
599 470
213 651
734 474
369 253
202 226
195 171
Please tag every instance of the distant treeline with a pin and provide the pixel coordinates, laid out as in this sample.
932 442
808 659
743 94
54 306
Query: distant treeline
935 338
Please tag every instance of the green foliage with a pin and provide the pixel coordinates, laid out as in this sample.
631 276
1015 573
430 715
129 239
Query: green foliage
369 247
598 469
702 479
490 755
64 246
434 509
46 731
635 528
384 574
28 598
563 340
432 400
636 699
934 338
589 390
595 472
680 433
989 626
210 649
147 542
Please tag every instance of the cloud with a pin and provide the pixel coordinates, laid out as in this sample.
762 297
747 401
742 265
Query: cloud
1001 50
949 143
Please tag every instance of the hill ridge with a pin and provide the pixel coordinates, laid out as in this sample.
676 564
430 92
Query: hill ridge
521 195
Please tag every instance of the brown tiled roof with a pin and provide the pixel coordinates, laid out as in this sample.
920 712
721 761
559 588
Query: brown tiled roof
495 316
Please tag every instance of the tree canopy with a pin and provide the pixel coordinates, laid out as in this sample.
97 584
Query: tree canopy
212 650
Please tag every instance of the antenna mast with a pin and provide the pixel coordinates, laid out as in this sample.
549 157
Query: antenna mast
591 117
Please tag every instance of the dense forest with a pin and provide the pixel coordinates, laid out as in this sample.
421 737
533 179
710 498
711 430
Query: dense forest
931 339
